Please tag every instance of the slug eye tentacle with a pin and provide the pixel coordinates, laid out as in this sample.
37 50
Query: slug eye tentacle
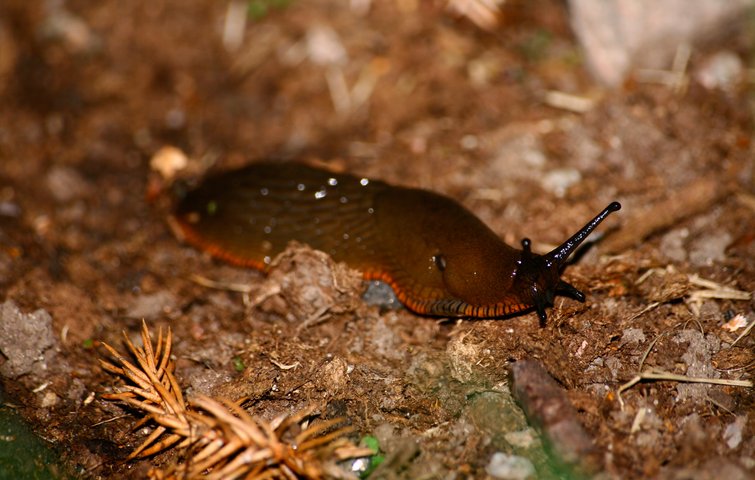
526 249
562 252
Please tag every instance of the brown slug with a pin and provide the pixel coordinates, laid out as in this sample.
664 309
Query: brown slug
439 258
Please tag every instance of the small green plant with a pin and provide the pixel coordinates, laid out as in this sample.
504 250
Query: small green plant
536 46
238 364
258 9
375 459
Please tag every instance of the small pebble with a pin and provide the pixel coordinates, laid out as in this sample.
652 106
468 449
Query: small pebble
65 183
510 467
50 399
632 335
673 245
24 338
709 249
521 439
469 142
559 180
9 209
168 160
733 432
381 294
723 71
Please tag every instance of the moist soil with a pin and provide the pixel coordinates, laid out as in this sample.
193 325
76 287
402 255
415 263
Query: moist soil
90 92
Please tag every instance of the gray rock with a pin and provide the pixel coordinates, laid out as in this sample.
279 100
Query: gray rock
24 338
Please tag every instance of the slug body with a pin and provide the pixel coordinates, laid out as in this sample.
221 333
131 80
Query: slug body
439 258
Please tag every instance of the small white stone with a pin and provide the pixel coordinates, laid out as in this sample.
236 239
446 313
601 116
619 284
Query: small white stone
709 249
168 160
722 71
469 142
733 432
510 467
559 180
50 399
522 438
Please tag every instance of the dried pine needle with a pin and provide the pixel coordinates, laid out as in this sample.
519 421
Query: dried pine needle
221 440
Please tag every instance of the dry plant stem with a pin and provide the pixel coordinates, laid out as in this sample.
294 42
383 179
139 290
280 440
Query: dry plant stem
656 374
676 78
694 198
262 294
483 13
569 102
283 366
650 349
744 334
644 311
712 290
220 285
715 290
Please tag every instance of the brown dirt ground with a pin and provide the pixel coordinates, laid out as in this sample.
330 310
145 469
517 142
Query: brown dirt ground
91 92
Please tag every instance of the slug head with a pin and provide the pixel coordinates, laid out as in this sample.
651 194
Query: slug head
538 277
538 280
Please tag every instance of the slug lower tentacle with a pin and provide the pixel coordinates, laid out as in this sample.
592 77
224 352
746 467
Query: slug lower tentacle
439 258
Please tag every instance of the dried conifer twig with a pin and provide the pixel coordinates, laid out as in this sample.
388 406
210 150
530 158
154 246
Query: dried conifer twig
223 440
156 391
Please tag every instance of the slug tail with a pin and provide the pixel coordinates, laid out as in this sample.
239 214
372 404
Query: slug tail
562 252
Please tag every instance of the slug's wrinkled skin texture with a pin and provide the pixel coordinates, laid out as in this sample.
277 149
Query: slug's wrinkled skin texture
439 258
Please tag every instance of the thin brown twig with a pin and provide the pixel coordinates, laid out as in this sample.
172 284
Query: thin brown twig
657 374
